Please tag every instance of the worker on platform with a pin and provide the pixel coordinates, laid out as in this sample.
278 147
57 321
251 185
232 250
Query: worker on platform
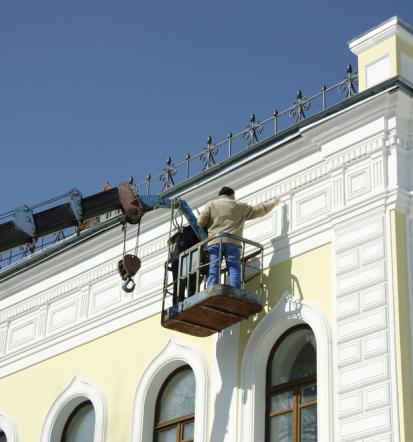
226 215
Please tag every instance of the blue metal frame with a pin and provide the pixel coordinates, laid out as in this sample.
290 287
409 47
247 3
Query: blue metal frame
76 205
150 202
23 218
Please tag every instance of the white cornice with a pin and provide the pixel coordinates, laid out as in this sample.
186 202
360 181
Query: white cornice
319 192
374 36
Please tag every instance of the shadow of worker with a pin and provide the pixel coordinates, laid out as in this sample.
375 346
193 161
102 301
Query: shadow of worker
224 418
278 280
224 427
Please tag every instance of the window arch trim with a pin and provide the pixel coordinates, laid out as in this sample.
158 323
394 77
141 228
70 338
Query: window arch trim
287 313
8 427
77 392
173 356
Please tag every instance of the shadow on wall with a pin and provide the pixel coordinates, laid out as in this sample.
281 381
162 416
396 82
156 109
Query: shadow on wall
227 369
276 281
279 278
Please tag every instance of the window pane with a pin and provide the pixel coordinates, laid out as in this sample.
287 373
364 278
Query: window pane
281 428
189 430
167 435
308 393
3 437
309 424
81 427
178 398
282 400
295 358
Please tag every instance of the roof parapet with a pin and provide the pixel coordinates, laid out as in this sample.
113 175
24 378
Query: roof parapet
383 52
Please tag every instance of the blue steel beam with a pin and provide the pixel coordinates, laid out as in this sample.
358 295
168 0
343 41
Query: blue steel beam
150 202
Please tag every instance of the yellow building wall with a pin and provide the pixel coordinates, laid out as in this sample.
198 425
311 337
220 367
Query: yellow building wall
393 46
378 51
116 362
402 324
403 48
117 366
307 277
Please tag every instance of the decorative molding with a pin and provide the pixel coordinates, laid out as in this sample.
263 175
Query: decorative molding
173 356
8 427
79 302
364 360
391 27
79 390
365 425
284 315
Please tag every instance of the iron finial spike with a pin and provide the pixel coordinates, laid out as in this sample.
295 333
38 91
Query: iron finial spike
349 69
323 87
252 118
188 156
131 180
230 135
209 140
275 113
299 94
149 177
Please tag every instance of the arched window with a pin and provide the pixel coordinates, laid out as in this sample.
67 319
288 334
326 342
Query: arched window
292 388
175 408
80 426
3 437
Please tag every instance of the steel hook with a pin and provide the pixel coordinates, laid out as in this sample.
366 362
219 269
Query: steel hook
126 287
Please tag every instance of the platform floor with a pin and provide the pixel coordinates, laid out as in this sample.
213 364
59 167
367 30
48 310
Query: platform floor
212 310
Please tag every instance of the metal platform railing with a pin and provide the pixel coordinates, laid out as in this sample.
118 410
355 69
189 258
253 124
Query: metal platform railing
187 275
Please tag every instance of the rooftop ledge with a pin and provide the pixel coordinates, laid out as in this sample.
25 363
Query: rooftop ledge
255 150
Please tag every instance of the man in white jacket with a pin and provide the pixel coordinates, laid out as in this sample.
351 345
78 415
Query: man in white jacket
225 214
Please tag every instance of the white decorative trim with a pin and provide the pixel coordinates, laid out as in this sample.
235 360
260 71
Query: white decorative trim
287 313
78 391
42 322
173 356
393 26
8 426
377 70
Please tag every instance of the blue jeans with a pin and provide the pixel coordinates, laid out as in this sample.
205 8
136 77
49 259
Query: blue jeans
232 254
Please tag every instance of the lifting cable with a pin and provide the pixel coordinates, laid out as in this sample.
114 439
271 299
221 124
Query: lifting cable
137 238
130 264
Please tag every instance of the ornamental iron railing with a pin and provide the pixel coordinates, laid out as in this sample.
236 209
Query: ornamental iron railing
210 156
214 153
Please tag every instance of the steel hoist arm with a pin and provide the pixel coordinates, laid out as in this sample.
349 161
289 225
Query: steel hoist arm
134 206
151 202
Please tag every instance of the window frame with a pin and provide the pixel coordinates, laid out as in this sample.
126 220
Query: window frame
294 386
178 422
73 415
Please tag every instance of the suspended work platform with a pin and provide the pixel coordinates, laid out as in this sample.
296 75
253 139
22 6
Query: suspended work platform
199 310
212 310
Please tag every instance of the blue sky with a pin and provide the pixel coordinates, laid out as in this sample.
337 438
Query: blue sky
95 91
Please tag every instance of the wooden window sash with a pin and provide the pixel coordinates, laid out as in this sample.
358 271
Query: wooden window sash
295 387
174 422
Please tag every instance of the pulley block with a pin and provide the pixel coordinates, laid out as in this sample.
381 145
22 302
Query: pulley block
130 204
128 267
